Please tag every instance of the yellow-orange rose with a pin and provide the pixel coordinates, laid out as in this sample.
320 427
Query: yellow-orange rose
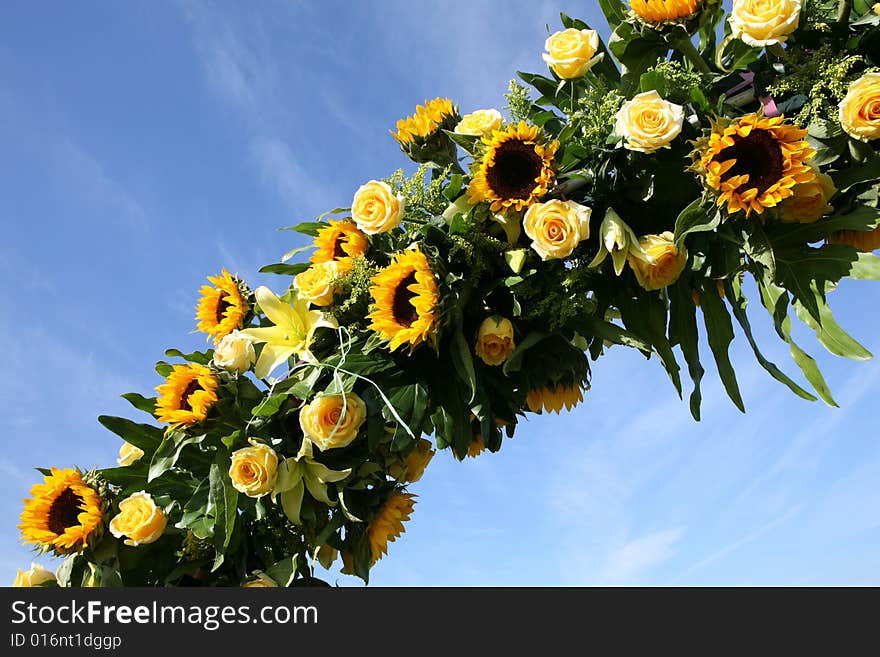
315 284
764 22
556 227
810 201
860 108
480 122
571 53
36 576
327 425
139 520
376 208
128 454
495 340
648 123
254 469
665 263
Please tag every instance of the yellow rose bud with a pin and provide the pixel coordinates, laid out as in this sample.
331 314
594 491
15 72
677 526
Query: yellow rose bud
860 108
128 454
571 53
139 520
235 353
665 263
862 240
376 209
480 122
810 201
254 469
495 340
333 421
762 23
36 576
315 284
647 122
556 227
411 469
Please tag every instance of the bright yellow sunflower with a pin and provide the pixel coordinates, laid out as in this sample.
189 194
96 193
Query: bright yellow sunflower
553 399
661 11
388 525
753 162
405 300
426 120
222 306
863 240
187 394
340 241
64 513
515 169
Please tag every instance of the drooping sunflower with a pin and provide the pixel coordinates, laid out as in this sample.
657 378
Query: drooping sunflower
405 300
865 241
753 162
661 11
187 394
223 306
64 513
388 525
427 120
515 169
554 398
340 241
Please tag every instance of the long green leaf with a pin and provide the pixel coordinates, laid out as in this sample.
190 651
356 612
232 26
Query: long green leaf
144 436
695 219
866 268
223 499
719 330
168 452
830 333
683 323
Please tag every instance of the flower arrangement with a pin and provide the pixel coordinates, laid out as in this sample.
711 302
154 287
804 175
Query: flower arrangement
623 204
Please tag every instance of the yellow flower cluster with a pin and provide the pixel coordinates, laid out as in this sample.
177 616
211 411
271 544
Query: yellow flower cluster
425 121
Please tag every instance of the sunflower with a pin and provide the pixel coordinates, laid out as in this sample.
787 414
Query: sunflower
405 297
515 169
222 308
340 241
388 525
555 398
753 162
65 514
862 240
187 394
426 121
661 11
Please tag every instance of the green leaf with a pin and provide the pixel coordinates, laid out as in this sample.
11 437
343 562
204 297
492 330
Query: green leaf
866 172
805 272
200 357
683 324
468 143
610 332
144 436
293 252
615 12
310 228
145 404
195 512
285 270
758 247
283 572
514 360
694 219
862 218
830 333
168 452
163 369
223 500
516 259
463 362
719 330
866 268
410 402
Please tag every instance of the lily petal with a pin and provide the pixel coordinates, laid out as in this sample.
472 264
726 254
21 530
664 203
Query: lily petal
291 502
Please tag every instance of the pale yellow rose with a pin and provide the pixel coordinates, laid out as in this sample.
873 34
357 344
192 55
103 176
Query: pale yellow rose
762 23
139 520
128 454
36 576
648 123
333 421
495 340
571 53
411 469
556 227
254 469
315 284
480 122
665 265
810 201
860 108
235 353
376 208
876 8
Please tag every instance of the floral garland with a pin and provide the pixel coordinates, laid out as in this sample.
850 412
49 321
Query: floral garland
626 200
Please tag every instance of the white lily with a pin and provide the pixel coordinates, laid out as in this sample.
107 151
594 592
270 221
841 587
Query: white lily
297 474
619 241
512 224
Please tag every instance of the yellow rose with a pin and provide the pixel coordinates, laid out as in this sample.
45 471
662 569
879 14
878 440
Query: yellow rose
254 469
128 454
648 122
571 53
495 340
665 263
764 22
315 284
556 227
332 421
139 520
860 108
376 209
810 201
235 353
36 576
411 469
876 8
480 122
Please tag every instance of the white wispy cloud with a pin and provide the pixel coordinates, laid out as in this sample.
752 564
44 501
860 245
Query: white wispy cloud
631 561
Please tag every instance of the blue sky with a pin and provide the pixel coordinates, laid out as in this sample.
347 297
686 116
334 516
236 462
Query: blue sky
146 145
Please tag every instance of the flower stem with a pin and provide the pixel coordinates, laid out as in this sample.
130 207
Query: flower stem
686 47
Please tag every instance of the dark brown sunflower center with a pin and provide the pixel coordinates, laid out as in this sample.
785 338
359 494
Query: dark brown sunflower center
402 308
758 155
64 511
184 398
222 305
338 251
516 168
